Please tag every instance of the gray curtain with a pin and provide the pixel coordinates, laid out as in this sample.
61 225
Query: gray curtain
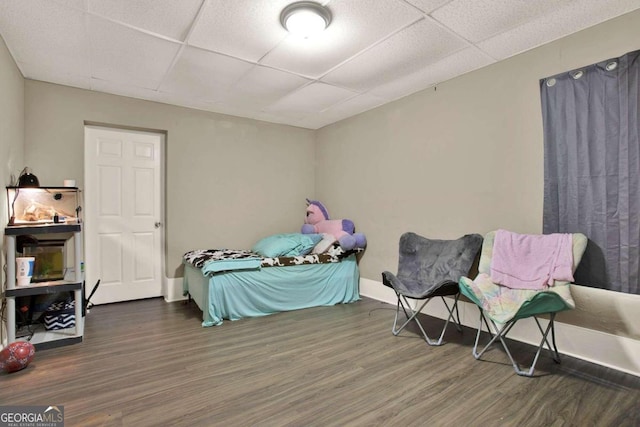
592 167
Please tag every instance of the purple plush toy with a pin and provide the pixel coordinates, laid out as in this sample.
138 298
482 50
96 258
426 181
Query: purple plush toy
317 221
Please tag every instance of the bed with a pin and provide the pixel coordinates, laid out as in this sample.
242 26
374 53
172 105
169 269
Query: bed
233 284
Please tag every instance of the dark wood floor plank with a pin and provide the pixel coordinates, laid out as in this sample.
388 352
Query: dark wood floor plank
149 363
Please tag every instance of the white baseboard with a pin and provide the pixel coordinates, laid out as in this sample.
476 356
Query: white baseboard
604 349
173 289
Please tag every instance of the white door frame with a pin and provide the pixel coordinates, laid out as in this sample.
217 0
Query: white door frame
163 162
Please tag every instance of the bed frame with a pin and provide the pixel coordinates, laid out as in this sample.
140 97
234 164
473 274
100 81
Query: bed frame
275 286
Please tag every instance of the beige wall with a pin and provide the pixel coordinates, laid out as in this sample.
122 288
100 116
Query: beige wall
229 181
11 141
11 129
465 157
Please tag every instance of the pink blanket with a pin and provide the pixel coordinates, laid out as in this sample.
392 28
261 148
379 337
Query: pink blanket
526 261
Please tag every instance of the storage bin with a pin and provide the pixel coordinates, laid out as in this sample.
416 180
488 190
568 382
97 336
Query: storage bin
60 315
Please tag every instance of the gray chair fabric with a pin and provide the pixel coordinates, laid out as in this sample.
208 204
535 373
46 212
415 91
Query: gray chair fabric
429 268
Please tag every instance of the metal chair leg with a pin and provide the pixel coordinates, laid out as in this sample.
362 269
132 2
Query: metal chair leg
454 307
406 307
411 314
500 333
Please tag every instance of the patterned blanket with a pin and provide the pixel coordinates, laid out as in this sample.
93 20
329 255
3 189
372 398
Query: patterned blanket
217 260
502 304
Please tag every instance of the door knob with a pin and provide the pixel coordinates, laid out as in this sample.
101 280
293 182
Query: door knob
157 224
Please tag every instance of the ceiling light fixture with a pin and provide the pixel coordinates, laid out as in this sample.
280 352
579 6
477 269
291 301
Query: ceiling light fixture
305 18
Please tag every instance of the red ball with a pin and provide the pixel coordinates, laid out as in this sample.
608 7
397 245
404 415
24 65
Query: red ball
16 356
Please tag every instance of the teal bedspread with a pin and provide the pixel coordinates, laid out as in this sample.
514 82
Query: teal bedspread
249 293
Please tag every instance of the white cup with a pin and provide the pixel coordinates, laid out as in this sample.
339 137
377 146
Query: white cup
24 269
69 182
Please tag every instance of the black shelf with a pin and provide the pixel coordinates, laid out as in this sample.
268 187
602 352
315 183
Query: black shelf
43 188
43 288
18 230
45 345
43 339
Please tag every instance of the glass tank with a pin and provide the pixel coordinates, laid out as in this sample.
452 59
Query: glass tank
49 259
43 205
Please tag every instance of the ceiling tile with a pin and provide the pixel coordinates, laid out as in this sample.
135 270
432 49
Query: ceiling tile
151 95
234 57
347 108
204 75
185 100
39 32
355 26
406 52
158 16
565 20
110 87
230 110
80 5
123 55
355 105
477 20
461 62
248 30
54 73
292 119
312 98
428 6
261 86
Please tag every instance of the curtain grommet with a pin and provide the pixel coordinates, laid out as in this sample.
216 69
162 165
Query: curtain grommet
577 74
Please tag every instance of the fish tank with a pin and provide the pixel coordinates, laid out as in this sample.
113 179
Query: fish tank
43 205
49 259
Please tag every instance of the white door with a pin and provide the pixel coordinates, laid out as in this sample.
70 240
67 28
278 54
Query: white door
122 205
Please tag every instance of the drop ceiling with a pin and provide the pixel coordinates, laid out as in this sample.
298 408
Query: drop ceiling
234 57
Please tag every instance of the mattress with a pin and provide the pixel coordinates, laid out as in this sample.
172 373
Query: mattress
243 289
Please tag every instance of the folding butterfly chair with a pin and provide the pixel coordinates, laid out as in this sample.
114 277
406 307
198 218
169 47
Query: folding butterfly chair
501 307
427 269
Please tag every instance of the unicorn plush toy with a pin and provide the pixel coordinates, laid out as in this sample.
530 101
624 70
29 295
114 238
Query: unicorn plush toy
317 221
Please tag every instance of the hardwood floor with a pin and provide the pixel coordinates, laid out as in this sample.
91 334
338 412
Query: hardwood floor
149 363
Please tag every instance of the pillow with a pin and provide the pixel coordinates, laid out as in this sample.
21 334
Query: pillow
327 241
292 244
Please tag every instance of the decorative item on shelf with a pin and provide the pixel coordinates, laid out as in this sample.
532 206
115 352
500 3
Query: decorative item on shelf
24 269
27 179
16 356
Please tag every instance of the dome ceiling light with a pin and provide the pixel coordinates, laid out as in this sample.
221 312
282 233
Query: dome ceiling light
305 18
